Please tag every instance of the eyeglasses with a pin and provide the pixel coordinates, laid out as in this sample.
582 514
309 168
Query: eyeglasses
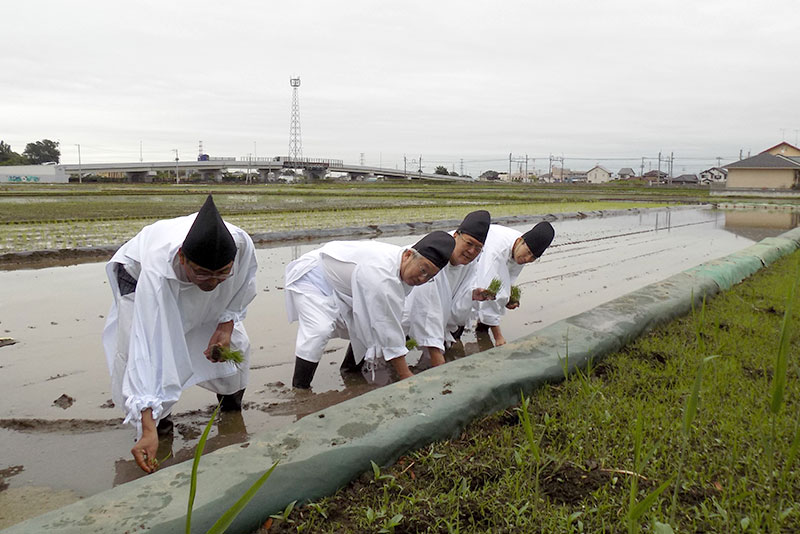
472 243
205 276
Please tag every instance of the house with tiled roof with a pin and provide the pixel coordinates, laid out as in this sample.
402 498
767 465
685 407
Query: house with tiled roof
685 179
783 149
626 173
767 170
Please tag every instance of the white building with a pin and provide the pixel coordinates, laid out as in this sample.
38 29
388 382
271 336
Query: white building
20 174
598 175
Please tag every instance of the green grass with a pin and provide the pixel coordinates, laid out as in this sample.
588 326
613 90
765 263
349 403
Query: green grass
609 448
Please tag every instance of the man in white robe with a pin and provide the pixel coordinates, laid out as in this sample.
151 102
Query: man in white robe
356 290
433 311
506 252
181 287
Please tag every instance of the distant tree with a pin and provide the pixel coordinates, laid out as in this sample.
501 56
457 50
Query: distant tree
489 175
42 152
441 169
453 173
9 157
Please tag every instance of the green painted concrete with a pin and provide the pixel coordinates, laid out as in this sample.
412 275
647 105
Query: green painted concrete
325 450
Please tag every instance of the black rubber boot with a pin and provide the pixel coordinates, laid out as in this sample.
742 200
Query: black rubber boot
349 364
457 333
480 327
232 402
303 373
164 427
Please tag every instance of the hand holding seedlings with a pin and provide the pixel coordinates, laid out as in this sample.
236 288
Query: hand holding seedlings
411 343
220 338
220 353
144 450
494 287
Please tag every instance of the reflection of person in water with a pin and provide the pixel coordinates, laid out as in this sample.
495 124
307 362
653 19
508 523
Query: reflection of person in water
356 290
180 287
506 252
434 310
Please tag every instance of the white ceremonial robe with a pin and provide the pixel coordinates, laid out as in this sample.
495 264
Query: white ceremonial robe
154 339
368 312
496 261
437 308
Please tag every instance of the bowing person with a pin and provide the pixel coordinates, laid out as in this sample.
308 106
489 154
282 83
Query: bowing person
433 311
180 288
506 252
356 290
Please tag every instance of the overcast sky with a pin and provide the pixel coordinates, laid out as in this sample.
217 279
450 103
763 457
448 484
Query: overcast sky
589 80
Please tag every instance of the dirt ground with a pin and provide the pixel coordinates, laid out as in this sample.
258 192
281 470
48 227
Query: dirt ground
62 439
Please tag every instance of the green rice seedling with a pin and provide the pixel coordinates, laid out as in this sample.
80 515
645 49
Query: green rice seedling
494 287
220 353
533 441
230 514
284 516
411 343
689 414
516 293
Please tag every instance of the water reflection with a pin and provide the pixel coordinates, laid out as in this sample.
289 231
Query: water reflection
758 224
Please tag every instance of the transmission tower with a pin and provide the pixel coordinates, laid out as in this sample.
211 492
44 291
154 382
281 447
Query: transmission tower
295 143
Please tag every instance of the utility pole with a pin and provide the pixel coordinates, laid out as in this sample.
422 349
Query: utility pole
405 167
177 177
462 167
509 166
526 168
80 169
658 174
550 168
140 152
641 172
671 160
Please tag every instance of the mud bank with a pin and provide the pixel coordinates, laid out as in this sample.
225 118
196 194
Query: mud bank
322 452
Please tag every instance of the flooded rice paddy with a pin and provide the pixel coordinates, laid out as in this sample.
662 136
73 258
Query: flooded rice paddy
62 440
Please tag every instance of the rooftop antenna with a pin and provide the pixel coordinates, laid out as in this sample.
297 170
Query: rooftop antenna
295 142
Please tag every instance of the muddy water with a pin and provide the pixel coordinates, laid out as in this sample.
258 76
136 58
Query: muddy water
56 316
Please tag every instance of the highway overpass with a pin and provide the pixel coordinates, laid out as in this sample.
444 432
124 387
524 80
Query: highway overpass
213 168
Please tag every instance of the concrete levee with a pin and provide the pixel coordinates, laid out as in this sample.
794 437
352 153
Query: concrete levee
324 450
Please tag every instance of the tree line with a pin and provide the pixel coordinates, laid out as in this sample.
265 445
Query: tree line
44 151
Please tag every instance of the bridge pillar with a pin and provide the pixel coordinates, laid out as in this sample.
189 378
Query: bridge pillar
263 175
139 176
315 174
211 175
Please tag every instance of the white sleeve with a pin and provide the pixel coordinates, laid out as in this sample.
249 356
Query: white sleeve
157 355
